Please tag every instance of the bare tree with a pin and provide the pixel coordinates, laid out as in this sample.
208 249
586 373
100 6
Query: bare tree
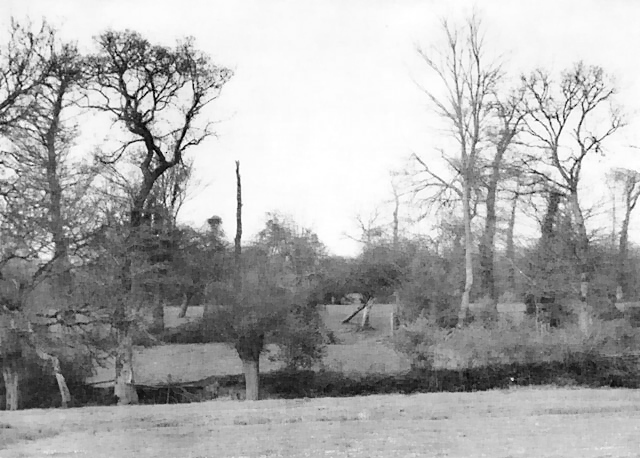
24 64
44 218
237 272
509 115
469 82
39 161
569 121
630 180
157 95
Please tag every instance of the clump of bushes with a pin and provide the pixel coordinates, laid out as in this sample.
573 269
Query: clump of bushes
604 356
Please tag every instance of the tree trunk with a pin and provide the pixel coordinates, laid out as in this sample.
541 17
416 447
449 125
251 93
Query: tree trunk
157 314
237 278
511 252
464 303
65 395
184 306
56 225
125 389
487 245
11 376
621 274
249 347
583 246
358 310
251 369
396 224
365 315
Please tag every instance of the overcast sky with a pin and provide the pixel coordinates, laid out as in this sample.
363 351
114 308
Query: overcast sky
324 101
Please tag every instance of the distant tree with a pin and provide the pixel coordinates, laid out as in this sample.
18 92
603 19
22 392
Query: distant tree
630 180
468 81
200 261
570 120
157 95
551 263
508 115
298 249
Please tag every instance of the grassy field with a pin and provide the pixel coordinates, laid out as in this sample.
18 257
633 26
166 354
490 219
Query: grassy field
510 423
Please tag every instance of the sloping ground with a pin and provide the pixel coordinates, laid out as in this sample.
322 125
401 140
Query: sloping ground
173 364
522 423
332 315
359 352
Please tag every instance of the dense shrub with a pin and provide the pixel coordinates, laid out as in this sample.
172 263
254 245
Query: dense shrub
504 343
303 338
430 289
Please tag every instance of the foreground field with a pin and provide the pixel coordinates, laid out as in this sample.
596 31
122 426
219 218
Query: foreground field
521 422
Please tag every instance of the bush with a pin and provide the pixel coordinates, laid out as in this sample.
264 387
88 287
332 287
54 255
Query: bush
430 289
302 340
418 340
504 343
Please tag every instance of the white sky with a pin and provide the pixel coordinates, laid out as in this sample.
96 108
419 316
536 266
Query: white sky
323 103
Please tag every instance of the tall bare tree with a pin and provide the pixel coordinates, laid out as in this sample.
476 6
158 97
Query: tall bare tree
468 80
157 95
569 120
508 116
44 218
630 180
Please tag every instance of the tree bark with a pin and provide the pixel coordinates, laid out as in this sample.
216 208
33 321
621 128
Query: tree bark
57 229
583 246
621 274
184 306
11 376
511 252
396 224
358 310
65 395
487 245
251 369
249 347
157 314
237 278
468 259
125 389
366 314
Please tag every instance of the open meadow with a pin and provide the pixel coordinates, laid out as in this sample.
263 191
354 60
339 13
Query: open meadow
503 423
